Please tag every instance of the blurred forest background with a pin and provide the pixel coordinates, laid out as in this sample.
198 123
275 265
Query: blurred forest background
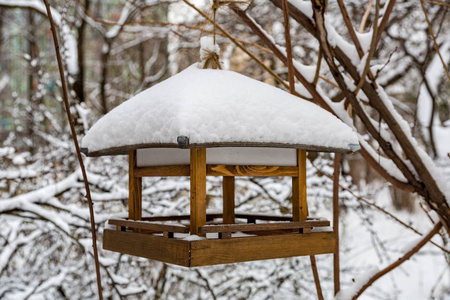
113 49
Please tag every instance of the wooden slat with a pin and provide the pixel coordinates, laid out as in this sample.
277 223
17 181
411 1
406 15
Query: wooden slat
299 204
163 249
134 189
336 267
256 216
150 226
258 171
266 226
163 171
222 251
228 200
198 189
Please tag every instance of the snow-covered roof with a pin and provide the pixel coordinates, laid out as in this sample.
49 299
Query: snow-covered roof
217 108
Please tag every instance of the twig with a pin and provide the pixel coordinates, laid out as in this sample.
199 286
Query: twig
373 47
401 260
383 23
352 33
319 63
436 46
365 17
438 2
77 147
257 60
287 35
378 207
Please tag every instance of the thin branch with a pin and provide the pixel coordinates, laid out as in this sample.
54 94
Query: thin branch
373 47
365 17
77 147
319 63
378 207
401 260
436 46
257 60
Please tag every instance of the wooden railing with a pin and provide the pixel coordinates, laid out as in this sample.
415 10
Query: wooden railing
280 224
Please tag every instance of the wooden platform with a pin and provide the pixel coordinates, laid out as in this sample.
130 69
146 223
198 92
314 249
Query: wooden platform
186 252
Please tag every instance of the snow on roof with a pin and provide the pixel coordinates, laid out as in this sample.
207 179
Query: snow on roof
214 108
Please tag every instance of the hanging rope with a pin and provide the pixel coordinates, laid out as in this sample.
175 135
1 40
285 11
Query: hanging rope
77 147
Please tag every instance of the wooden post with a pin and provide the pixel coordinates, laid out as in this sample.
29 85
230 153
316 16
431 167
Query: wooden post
299 204
337 282
228 200
134 189
198 190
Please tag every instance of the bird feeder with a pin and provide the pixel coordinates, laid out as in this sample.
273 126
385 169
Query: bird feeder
204 122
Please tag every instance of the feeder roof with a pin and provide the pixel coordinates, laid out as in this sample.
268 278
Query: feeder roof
216 108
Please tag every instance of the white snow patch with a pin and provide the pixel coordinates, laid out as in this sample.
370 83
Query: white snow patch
194 237
336 40
304 6
360 281
212 106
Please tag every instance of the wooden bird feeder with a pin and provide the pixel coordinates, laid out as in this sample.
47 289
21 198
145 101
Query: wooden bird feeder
203 123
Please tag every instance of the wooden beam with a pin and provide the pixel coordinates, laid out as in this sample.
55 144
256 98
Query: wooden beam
159 248
257 171
198 189
163 171
240 249
228 200
336 267
150 226
299 204
134 189
266 226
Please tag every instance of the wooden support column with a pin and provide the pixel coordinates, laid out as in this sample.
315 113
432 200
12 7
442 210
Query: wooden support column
198 190
336 267
134 189
228 200
299 204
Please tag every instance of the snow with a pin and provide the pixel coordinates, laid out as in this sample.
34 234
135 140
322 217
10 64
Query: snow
304 6
6 151
427 161
194 237
335 40
217 106
434 76
360 281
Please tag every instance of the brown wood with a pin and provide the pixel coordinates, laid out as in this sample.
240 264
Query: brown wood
124 149
198 189
299 204
217 251
228 200
150 226
238 215
266 226
316 277
163 171
336 267
169 235
167 250
134 189
257 171
222 251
